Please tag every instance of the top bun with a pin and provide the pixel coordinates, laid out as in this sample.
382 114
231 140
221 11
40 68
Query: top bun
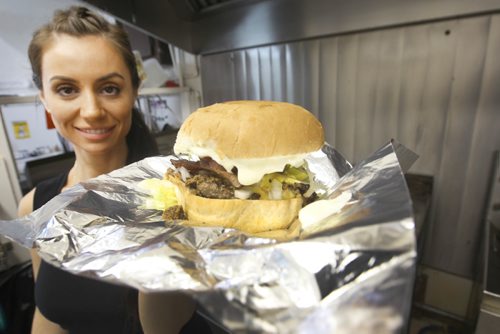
251 129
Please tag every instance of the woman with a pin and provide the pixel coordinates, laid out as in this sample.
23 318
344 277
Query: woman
86 74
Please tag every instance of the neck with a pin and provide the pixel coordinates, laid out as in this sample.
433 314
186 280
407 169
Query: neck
89 165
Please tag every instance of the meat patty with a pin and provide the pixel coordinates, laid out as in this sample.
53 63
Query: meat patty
209 186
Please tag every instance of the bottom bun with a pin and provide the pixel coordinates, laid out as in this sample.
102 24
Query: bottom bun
291 232
251 216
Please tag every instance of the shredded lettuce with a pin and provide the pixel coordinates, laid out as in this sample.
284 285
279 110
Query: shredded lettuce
296 173
163 194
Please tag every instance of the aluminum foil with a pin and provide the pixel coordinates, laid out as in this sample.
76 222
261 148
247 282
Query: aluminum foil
350 271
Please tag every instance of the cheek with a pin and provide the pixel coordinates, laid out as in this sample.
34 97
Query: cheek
61 126
59 119
60 111
123 114
128 118
128 123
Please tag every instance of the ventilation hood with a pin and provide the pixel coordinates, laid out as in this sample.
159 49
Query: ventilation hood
213 26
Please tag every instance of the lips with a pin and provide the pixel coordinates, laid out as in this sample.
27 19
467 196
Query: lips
96 133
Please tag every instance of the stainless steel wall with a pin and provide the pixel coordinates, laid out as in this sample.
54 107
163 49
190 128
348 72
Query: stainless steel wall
435 87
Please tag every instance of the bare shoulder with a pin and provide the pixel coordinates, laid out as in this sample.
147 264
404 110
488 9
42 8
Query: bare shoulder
26 204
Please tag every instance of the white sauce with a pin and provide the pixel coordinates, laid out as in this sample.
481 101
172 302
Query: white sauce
250 170
317 211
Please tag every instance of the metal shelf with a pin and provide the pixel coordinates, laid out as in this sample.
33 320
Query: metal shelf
163 91
12 99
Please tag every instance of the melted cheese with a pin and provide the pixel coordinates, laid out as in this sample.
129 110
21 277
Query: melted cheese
250 170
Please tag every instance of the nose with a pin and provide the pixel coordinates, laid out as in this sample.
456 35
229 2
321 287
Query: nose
90 106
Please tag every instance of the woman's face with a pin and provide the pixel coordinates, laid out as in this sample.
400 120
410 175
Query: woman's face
88 91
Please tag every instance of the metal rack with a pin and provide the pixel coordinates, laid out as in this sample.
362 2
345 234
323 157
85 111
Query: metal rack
489 313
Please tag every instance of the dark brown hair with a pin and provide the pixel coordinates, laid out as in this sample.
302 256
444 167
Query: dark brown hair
79 22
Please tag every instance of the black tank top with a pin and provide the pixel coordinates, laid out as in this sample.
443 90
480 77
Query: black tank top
84 305
76 303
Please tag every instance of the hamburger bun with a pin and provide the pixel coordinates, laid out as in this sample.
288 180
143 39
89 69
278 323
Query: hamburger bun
251 129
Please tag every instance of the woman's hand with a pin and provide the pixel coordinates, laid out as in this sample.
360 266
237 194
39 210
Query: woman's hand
166 312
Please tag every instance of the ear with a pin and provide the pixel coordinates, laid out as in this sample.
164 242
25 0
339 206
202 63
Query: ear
44 102
48 118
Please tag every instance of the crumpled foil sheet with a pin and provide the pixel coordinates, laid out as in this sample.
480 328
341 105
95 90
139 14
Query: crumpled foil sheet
351 272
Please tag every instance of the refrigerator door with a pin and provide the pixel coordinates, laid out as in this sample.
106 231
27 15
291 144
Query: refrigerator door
11 190
28 134
10 195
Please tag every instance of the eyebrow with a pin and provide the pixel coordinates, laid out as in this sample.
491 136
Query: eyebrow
103 78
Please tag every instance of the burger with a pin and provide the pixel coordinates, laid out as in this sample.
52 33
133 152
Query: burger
241 164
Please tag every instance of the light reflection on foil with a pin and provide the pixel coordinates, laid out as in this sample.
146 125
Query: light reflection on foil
350 271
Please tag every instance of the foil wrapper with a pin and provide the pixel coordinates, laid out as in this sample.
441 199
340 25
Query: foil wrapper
351 270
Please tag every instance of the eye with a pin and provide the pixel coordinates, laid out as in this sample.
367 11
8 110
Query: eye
112 90
66 90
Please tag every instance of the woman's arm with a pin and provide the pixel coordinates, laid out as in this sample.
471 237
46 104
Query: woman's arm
40 324
165 313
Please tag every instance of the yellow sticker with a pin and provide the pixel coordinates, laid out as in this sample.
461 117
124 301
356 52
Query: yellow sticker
21 130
